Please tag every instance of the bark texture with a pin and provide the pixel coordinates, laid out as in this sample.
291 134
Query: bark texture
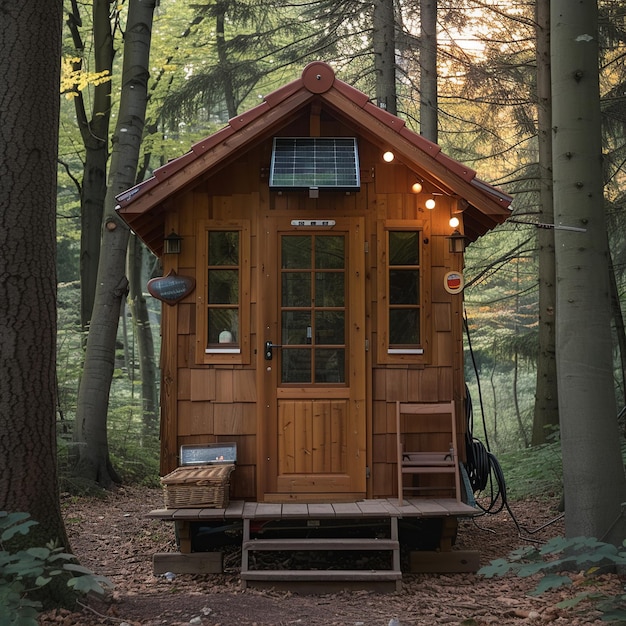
593 471
93 397
384 43
143 332
429 98
94 129
30 48
546 413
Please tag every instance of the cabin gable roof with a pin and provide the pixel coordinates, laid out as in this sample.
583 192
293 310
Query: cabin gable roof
145 205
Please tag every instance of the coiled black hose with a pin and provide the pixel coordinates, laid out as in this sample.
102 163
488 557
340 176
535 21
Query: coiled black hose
482 466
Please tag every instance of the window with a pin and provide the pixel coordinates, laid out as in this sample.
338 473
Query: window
223 320
403 288
313 308
401 276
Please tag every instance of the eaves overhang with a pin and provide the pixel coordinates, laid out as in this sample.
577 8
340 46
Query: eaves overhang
145 205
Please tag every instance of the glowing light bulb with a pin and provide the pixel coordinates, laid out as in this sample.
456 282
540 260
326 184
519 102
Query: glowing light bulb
416 188
454 222
388 157
430 203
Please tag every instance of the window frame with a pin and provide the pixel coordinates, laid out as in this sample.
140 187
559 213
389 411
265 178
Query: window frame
419 353
241 353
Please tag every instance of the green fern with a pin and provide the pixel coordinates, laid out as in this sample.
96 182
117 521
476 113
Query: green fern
24 572
560 555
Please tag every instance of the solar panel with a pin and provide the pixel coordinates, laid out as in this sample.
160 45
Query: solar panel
309 162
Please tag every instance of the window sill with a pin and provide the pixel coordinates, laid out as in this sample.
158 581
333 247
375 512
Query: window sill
405 351
222 351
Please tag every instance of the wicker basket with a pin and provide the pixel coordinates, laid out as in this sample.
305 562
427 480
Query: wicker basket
197 487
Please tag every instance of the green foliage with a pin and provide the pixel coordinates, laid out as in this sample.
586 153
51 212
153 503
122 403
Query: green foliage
580 554
533 472
27 571
536 472
134 453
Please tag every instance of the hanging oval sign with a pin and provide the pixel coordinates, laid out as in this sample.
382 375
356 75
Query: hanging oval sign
453 282
171 288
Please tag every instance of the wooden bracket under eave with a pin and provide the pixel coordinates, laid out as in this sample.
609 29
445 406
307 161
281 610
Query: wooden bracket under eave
314 119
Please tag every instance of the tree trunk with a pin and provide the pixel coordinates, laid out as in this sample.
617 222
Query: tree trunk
93 395
593 470
145 343
428 70
30 48
495 401
95 136
518 412
222 55
384 45
620 329
546 415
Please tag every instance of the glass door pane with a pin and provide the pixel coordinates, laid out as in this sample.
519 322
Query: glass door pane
313 308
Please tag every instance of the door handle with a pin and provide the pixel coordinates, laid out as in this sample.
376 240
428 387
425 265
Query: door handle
269 346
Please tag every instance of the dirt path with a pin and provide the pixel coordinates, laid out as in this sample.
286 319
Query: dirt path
113 538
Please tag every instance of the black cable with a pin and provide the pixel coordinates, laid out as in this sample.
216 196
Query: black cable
483 468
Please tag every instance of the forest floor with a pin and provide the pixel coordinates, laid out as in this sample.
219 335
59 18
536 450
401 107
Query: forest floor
112 536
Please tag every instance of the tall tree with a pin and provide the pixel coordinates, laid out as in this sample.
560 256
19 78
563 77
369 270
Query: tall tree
94 130
384 49
143 332
30 49
429 106
546 412
93 395
593 471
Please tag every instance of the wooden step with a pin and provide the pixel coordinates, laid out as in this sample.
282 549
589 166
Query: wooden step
323 575
320 544
323 581
328 580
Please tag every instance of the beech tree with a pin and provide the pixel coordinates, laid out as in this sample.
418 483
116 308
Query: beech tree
112 286
94 130
30 50
593 470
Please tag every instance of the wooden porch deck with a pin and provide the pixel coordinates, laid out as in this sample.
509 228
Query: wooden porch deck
385 511
385 508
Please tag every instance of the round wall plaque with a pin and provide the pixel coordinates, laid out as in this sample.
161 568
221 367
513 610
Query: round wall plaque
171 288
453 282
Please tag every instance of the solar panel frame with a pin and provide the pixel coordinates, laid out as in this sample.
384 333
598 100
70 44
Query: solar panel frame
315 162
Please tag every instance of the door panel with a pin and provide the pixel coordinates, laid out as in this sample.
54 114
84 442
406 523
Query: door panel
315 372
312 436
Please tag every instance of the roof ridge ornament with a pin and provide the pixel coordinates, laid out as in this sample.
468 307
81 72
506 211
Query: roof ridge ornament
318 77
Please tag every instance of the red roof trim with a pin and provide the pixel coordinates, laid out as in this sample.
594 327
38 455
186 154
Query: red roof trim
165 171
207 143
282 93
384 116
352 93
244 119
317 80
464 172
429 147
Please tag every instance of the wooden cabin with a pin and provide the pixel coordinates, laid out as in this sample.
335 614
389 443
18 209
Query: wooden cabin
321 291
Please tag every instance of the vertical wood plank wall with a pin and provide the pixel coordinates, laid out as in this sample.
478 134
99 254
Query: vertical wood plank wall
203 403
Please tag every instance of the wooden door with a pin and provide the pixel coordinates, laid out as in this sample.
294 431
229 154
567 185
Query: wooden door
314 360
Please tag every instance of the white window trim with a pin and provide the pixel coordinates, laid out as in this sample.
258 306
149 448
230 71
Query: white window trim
223 351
